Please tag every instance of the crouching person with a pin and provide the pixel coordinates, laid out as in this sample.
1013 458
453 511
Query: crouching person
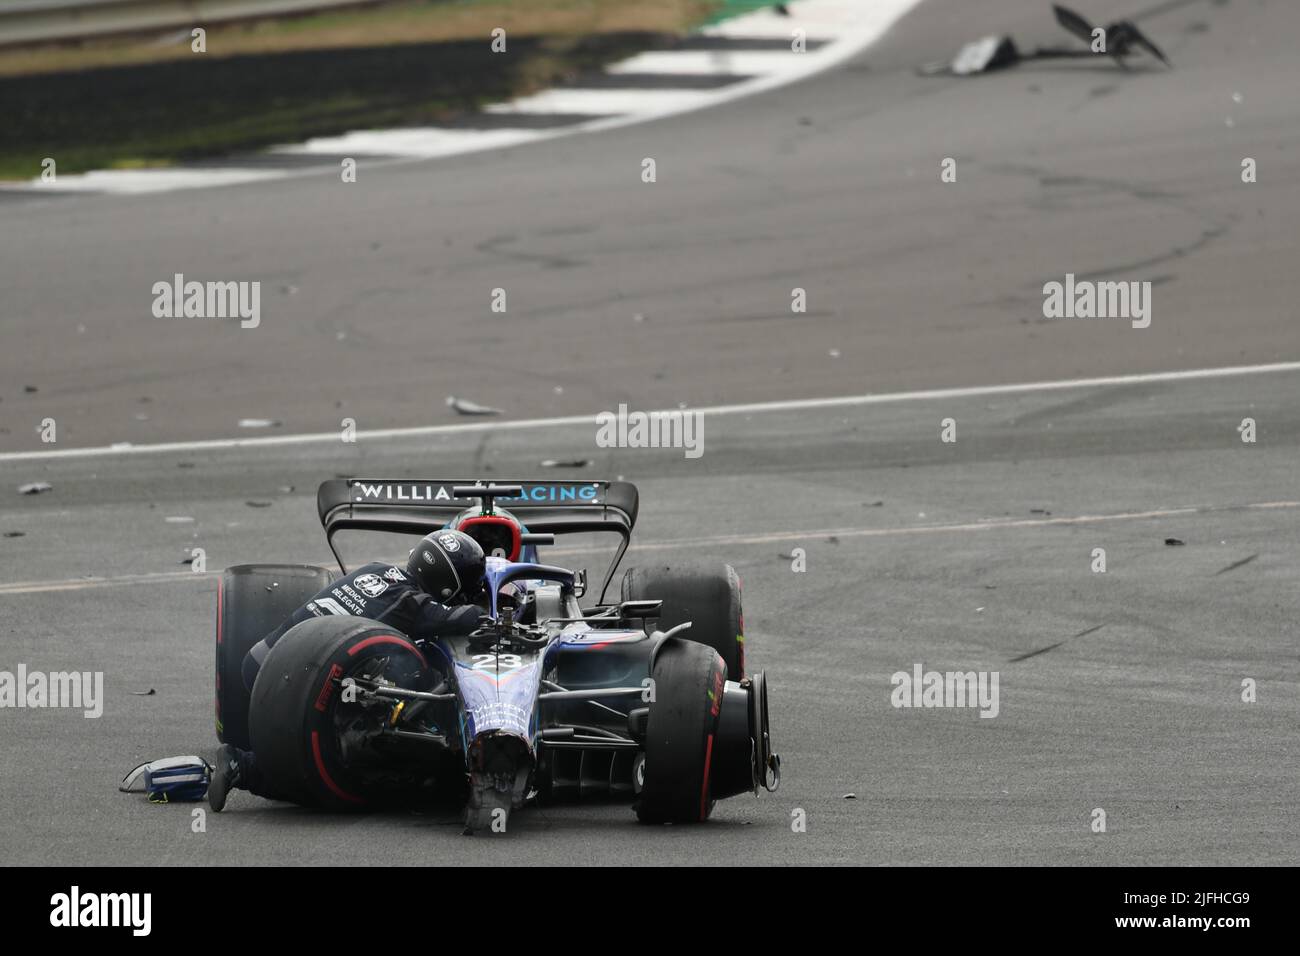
430 598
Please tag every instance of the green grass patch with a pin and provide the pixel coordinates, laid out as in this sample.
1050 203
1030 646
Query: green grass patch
726 9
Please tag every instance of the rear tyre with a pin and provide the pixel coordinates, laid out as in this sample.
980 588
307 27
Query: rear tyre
706 595
688 686
252 601
312 745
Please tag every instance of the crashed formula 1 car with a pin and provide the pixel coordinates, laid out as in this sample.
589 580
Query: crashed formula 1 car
546 699
1119 40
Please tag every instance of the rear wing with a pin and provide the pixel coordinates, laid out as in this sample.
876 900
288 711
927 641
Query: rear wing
417 506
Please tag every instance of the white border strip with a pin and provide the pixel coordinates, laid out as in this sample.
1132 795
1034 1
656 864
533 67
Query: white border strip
854 27
756 408
866 24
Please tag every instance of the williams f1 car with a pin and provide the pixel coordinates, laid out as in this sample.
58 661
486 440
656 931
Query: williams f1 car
645 698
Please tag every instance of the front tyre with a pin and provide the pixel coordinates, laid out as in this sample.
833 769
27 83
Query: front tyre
689 679
313 743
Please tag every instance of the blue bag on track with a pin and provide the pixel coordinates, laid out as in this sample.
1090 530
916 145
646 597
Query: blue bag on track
182 779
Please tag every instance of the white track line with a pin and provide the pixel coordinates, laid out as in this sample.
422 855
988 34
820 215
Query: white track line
123 580
851 25
595 102
423 142
756 408
770 537
710 63
139 181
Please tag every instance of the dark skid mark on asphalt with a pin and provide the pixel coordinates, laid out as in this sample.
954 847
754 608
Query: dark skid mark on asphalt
766 316
567 230
493 247
619 299
1048 178
1088 403
1211 230
1236 564
480 452
28 195
1177 252
1050 647
1089 186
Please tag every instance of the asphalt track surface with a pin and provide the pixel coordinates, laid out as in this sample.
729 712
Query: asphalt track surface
1118 690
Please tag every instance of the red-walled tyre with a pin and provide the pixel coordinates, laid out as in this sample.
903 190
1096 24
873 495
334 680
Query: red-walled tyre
309 741
680 733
